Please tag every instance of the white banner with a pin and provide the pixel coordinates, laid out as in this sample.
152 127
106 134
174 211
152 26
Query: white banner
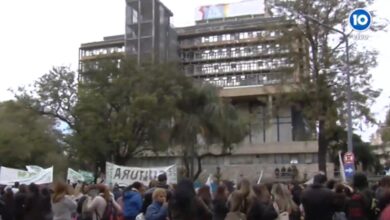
73 176
125 176
35 174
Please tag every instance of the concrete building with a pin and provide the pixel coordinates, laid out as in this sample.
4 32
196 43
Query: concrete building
248 59
381 148
148 36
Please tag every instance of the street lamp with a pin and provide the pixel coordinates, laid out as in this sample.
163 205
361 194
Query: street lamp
349 92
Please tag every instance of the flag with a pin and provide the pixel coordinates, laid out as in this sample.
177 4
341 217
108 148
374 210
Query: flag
260 177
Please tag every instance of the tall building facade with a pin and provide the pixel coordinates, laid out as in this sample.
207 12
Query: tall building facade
244 55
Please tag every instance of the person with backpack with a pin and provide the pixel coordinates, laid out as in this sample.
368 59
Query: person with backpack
102 205
132 201
362 204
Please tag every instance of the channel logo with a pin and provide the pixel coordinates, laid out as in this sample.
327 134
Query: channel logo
360 19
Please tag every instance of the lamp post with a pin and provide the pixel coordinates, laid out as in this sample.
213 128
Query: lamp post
347 72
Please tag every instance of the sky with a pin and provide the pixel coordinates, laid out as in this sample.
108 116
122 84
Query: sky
37 35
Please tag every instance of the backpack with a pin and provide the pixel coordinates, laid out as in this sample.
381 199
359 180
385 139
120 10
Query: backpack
362 206
109 212
82 214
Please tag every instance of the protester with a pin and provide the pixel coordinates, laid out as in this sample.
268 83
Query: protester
220 203
340 202
184 205
236 200
62 204
34 208
99 201
249 195
263 206
160 183
46 204
132 201
361 204
20 202
158 210
283 203
317 200
9 204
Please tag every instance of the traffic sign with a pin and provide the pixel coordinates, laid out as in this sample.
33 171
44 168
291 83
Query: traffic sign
349 158
349 170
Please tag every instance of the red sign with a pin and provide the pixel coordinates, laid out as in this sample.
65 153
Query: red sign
349 157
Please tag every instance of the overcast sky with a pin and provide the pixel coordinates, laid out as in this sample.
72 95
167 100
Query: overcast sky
39 34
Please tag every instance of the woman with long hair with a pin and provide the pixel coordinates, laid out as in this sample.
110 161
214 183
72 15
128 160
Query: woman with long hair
98 201
246 190
204 197
62 205
220 203
184 205
235 213
283 202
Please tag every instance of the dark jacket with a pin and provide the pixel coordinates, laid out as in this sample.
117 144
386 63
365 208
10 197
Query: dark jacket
34 208
317 202
156 211
359 206
220 209
20 200
262 211
195 210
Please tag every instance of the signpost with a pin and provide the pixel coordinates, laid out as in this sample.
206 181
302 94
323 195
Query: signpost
349 165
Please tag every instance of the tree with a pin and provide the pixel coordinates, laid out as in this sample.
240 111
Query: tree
126 111
205 126
363 151
322 92
385 131
54 94
27 138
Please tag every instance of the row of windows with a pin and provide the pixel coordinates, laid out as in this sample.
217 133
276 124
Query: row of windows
248 79
102 51
226 67
304 158
264 49
230 37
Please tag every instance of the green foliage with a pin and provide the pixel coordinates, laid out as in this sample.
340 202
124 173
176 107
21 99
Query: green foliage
363 151
27 138
128 110
322 90
123 111
205 125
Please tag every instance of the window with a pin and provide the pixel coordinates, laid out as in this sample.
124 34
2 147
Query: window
134 16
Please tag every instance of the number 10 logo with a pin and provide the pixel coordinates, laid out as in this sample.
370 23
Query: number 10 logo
360 19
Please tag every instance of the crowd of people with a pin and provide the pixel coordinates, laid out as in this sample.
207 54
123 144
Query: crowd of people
321 200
